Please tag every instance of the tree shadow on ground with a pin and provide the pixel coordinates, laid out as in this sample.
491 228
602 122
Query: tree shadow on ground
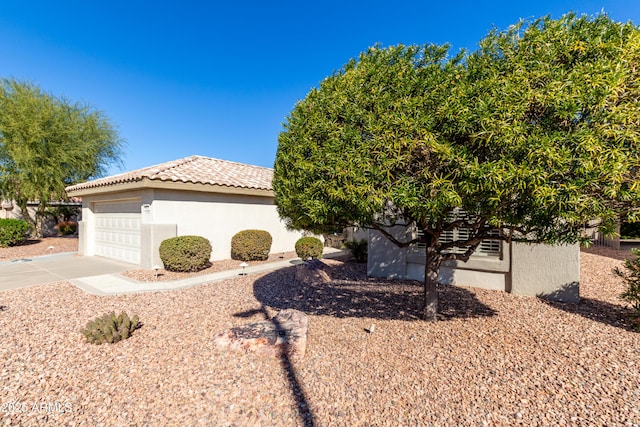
599 311
303 408
351 293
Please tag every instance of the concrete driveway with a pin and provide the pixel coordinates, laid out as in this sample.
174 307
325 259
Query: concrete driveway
56 268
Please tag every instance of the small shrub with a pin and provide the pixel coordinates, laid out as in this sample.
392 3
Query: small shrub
358 249
251 245
13 232
185 253
631 277
67 228
110 328
309 247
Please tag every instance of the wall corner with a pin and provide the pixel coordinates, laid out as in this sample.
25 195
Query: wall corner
151 235
546 271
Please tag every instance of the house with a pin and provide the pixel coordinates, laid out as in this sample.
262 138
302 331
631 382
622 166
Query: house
127 216
523 269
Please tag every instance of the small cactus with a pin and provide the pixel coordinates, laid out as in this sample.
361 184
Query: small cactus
110 328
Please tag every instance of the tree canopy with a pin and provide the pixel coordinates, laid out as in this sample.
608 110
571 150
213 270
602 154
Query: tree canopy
532 136
48 143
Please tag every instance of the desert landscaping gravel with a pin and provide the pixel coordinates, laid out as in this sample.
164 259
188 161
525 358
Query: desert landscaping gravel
492 359
40 247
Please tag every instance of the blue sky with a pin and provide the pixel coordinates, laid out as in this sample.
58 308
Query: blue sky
219 78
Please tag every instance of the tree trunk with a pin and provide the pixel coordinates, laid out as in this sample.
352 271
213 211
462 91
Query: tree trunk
25 215
431 268
37 221
39 225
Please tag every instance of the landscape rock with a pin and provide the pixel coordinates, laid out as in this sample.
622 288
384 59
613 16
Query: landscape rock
313 272
284 334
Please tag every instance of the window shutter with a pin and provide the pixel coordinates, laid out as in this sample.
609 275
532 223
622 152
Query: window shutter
489 248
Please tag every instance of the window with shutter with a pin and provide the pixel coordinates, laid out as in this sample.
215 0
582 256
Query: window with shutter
490 248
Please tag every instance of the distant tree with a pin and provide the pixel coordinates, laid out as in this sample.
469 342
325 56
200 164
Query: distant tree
48 143
526 139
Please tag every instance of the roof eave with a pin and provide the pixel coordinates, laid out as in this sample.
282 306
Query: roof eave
146 183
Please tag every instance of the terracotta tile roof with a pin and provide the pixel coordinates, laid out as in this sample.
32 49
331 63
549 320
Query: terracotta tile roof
193 169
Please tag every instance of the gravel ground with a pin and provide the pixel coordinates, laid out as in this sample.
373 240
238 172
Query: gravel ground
38 247
492 359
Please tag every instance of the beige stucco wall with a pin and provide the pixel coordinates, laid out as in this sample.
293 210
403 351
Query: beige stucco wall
547 271
219 216
151 235
384 258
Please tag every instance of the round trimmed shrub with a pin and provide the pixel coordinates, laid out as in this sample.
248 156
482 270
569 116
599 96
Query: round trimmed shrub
185 253
251 245
309 247
13 232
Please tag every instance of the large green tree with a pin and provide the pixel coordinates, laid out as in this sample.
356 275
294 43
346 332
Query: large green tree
48 143
532 136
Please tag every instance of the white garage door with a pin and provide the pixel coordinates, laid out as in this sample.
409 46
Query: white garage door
117 230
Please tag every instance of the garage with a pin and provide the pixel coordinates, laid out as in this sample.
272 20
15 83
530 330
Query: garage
127 216
117 230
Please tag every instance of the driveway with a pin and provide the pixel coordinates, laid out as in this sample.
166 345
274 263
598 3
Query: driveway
56 268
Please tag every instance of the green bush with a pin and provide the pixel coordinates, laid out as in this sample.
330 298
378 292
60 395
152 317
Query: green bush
13 232
309 247
251 245
67 228
110 328
358 249
631 277
185 253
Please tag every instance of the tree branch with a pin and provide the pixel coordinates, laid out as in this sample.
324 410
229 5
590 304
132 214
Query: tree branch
385 233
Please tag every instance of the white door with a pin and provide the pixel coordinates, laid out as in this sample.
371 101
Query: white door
117 230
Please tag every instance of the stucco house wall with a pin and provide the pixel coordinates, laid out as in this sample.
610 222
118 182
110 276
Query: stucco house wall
219 216
203 202
532 270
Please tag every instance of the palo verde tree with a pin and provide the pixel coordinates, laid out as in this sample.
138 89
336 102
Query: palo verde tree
48 143
526 139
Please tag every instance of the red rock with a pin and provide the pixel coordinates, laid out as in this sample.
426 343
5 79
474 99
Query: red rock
312 272
285 334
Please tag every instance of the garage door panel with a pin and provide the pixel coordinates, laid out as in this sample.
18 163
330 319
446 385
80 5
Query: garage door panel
117 231
132 207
